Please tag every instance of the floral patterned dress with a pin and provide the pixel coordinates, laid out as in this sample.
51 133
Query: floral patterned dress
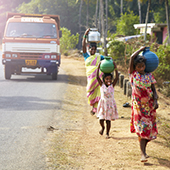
107 108
143 118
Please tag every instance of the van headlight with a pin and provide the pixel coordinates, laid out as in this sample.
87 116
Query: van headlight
47 56
53 56
14 55
7 55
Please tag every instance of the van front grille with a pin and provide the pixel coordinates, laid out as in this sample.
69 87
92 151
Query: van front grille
31 55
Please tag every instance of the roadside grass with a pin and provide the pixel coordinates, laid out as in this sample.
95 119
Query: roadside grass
66 149
164 131
74 147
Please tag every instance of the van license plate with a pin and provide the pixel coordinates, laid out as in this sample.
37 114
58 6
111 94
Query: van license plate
30 62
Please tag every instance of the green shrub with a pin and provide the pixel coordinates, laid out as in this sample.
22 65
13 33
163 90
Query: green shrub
68 41
126 22
116 50
163 70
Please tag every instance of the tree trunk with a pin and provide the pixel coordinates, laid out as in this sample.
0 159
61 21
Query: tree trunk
140 16
97 4
105 41
121 8
102 21
146 20
99 21
80 37
167 20
87 21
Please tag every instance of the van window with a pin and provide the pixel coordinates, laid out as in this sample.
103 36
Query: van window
37 30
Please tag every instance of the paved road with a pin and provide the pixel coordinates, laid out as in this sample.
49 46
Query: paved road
27 107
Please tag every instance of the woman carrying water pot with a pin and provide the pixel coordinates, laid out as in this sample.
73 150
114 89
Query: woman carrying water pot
91 62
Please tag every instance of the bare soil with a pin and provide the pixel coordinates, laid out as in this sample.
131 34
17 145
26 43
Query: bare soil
75 143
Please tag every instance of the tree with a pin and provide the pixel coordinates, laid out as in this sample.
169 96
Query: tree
96 14
106 29
80 9
87 16
68 41
167 19
103 26
146 20
140 16
126 22
121 8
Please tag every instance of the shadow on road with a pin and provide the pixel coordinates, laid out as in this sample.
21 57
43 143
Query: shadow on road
14 103
38 78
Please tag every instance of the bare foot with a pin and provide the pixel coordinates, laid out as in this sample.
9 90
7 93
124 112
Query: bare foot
101 132
147 156
107 136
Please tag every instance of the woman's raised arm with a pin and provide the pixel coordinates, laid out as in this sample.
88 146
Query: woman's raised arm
84 40
132 58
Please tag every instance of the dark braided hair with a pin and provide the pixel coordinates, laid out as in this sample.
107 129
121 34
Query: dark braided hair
139 59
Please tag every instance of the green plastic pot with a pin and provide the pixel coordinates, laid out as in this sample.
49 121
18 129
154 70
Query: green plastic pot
107 65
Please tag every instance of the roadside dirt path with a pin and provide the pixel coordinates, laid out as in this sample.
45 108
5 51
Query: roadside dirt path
76 144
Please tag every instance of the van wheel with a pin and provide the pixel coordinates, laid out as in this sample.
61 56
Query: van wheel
54 76
7 72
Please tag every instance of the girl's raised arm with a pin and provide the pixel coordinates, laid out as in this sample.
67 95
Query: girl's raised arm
131 67
116 78
97 75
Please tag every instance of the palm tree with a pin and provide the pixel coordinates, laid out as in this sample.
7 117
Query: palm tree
97 4
102 18
167 20
87 17
121 8
81 3
140 16
106 1
146 20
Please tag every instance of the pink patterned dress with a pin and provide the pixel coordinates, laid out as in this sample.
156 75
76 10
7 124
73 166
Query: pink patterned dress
107 108
143 118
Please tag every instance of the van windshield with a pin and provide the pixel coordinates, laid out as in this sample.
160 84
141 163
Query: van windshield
37 30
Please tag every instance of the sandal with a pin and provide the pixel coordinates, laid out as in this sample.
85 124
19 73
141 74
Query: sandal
126 105
143 159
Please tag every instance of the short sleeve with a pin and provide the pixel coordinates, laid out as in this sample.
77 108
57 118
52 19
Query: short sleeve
153 81
101 57
85 55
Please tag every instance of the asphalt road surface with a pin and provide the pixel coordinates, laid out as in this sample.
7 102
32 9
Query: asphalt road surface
28 104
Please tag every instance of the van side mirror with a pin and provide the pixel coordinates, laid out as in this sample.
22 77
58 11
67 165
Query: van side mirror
60 33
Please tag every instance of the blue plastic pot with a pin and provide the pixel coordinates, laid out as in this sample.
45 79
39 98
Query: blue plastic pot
152 60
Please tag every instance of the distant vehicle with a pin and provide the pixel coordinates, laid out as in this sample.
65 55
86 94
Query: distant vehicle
31 41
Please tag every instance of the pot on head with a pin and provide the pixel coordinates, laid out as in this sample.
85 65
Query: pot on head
93 35
107 65
152 60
